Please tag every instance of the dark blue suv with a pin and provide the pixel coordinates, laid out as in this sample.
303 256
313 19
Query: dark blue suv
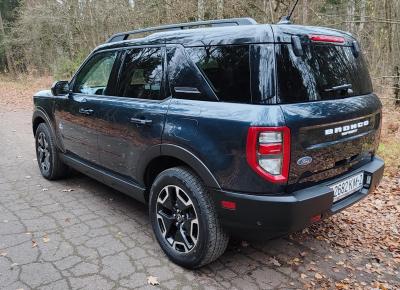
222 127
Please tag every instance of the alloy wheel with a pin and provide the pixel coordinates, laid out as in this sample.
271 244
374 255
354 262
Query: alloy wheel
43 152
177 219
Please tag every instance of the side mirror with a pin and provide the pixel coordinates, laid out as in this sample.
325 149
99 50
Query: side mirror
60 88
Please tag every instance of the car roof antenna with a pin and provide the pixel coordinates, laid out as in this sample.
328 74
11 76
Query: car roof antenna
286 19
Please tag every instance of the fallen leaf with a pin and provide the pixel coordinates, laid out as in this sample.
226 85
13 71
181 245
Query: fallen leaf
152 280
341 286
275 262
340 263
303 254
46 239
303 276
318 276
44 189
3 254
13 265
34 244
67 190
28 177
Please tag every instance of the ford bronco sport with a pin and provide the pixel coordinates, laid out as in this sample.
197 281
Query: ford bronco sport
223 127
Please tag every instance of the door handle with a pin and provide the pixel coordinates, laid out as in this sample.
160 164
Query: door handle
86 111
141 121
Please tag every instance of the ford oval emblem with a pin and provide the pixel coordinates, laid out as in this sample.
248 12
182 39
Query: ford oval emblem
303 161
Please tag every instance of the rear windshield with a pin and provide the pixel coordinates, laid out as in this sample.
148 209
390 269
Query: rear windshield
324 72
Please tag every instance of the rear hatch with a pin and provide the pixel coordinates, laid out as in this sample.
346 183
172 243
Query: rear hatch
326 95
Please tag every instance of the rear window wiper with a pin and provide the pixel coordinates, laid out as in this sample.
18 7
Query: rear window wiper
347 87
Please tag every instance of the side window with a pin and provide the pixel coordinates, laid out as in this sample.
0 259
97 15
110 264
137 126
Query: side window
93 78
227 70
184 79
142 74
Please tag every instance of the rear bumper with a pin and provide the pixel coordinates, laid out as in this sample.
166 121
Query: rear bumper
260 216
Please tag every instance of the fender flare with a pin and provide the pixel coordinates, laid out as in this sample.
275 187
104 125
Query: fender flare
182 154
41 113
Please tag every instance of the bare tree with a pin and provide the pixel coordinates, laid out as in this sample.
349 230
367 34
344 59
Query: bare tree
200 9
9 64
220 9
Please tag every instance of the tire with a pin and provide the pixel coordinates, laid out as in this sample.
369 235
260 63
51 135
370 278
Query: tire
50 165
194 236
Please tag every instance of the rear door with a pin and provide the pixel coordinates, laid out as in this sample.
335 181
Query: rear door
326 96
133 119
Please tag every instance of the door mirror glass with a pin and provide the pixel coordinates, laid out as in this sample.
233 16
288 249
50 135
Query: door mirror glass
60 88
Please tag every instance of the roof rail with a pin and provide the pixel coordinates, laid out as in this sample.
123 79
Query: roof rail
220 22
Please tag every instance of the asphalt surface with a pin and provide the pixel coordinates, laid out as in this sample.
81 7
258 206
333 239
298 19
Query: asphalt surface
80 234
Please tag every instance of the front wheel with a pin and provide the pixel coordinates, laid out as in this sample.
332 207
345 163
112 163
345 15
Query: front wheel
184 219
47 157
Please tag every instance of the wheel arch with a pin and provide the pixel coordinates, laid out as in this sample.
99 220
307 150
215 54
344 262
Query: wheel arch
39 117
171 155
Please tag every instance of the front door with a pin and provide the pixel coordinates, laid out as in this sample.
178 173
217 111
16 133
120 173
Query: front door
76 115
134 118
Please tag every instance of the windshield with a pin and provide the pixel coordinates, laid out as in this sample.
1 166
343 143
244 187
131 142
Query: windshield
324 72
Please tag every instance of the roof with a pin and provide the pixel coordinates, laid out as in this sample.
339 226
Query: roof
224 31
238 31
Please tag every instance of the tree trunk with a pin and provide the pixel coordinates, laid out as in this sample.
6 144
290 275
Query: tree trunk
200 9
397 86
9 62
350 15
271 11
363 7
305 11
220 9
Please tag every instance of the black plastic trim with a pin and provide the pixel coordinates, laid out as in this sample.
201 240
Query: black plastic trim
121 184
265 216
189 158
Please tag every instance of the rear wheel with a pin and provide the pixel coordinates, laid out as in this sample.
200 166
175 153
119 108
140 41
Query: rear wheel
47 157
184 219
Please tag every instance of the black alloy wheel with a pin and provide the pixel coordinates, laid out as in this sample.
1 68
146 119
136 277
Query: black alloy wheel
177 219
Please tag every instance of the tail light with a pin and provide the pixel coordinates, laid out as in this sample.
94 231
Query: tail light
268 152
326 38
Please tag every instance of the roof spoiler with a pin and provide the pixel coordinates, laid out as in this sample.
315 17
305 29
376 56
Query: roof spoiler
219 22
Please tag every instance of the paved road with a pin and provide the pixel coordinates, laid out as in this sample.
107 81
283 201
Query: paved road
80 234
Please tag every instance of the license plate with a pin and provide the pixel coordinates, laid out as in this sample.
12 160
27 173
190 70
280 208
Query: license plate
347 186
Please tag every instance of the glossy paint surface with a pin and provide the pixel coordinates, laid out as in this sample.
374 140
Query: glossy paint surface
216 132
331 154
191 124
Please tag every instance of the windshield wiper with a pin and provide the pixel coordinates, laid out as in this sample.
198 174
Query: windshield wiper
347 87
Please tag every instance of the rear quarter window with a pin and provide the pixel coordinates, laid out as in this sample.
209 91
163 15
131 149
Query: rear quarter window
226 69
312 76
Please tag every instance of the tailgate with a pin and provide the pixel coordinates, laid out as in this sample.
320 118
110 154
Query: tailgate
331 137
326 95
